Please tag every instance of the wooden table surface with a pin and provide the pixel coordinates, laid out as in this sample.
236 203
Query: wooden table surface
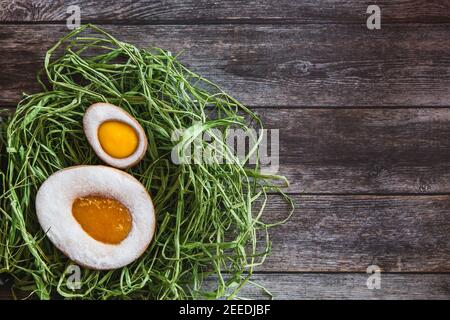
364 118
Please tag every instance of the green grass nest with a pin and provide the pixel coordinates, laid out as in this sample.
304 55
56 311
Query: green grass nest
209 223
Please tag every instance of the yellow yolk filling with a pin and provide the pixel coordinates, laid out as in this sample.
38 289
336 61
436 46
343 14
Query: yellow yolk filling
117 139
104 219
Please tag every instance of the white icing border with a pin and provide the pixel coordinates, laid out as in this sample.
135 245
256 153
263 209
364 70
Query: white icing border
54 211
100 112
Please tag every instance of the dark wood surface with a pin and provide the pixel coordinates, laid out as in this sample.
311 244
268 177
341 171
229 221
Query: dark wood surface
346 233
363 151
230 11
306 65
349 286
364 119
340 286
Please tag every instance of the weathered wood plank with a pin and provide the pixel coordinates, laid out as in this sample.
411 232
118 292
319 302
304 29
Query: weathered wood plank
150 11
349 233
350 286
274 65
363 151
295 286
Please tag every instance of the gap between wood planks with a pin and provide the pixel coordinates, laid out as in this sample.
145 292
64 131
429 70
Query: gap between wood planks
243 22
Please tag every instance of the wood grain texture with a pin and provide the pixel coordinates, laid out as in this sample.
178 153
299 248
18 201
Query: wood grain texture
349 286
375 175
349 233
363 151
340 286
211 11
274 65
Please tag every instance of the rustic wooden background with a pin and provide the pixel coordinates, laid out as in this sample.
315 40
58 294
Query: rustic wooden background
364 118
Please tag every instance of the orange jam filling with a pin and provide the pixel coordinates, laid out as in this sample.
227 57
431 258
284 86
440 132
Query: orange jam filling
118 139
104 219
